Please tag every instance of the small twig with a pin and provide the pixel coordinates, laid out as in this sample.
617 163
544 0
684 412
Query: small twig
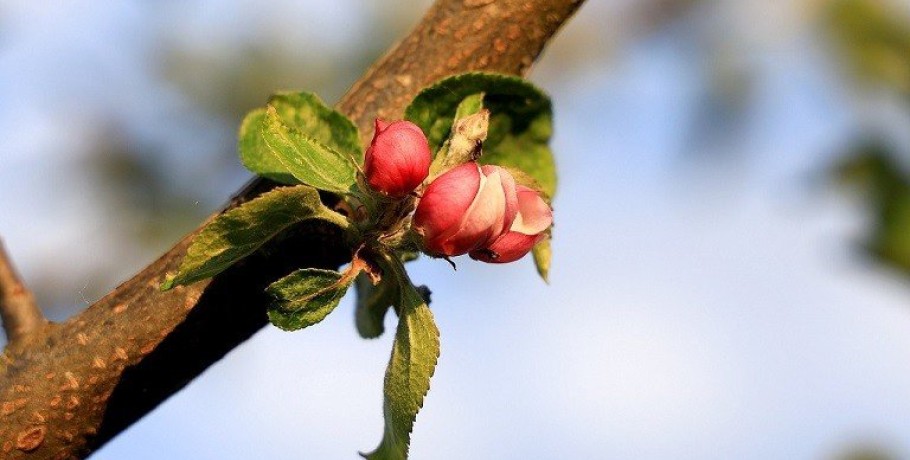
18 310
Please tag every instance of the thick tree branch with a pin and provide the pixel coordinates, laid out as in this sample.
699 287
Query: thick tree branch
18 310
82 382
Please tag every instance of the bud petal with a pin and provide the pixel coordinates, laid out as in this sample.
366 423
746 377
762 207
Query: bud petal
534 217
444 204
510 191
466 208
398 158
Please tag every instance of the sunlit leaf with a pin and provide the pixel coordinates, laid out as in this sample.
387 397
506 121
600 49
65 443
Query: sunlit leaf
307 114
407 379
238 232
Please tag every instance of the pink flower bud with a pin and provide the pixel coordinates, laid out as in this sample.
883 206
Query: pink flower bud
466 208
398 158
533 219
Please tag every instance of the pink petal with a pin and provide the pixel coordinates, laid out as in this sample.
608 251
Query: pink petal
444 204
534 215
507 248
398 159
482 219
511 198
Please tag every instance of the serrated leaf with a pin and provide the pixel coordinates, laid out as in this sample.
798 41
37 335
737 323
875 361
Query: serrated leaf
373 302
238 232
307 296
306 113
308 160
407 379
520 124
255 154
542 254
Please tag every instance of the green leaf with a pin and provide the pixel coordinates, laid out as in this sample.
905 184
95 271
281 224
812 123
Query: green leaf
307 114
307 296
255 154
469 106
542 255
238 232
407 379
373 302
875 171
464 144
873 39
891 238
307 159
525 147
520 123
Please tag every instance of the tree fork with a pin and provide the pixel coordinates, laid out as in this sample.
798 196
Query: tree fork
78 384
21 316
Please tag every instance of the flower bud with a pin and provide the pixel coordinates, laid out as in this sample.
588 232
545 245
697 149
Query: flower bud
466 208
534 217
398 158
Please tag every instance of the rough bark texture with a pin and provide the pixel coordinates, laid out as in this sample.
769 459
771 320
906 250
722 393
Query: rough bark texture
80 383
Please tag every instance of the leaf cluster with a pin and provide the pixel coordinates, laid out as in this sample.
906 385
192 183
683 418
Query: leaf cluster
308 148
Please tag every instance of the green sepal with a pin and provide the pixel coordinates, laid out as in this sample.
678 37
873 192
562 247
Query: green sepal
238 232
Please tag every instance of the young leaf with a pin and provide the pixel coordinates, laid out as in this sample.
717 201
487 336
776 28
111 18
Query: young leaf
255 154
407 379
306 113
464 145
238 232
373 302
308 160
520 124
307 296
469 106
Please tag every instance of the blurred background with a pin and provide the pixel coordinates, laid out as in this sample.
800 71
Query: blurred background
731 257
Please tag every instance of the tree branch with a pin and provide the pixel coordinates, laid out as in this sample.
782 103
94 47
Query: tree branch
18 310
82 382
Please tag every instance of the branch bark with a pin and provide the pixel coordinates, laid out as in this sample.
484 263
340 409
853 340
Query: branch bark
18 310
78 384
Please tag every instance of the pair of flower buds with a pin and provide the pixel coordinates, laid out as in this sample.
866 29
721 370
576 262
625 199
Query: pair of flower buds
469 209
